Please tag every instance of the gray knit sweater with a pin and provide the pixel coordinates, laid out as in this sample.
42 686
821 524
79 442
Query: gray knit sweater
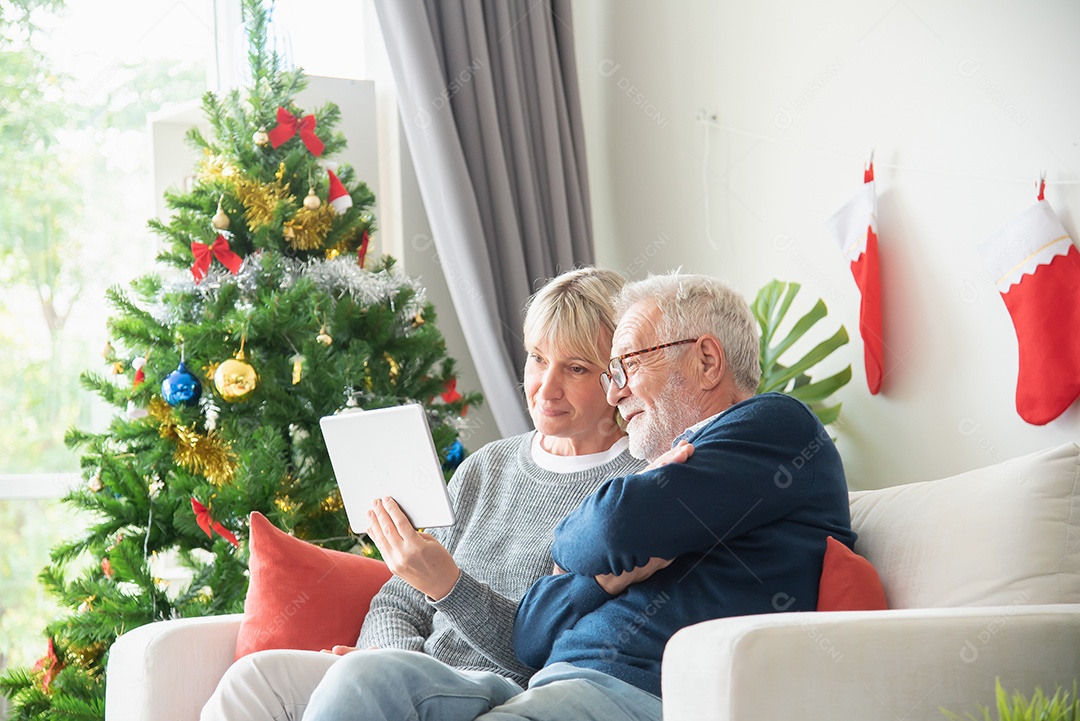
506 508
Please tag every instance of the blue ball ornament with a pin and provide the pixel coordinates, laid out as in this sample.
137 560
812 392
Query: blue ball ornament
455 454
181 387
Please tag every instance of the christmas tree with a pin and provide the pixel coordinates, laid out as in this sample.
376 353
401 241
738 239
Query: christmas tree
265 315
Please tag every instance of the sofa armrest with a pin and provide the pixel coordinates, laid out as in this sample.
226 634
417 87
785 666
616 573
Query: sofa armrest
166 671
866 665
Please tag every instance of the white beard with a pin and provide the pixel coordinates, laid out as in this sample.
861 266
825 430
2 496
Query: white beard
652 432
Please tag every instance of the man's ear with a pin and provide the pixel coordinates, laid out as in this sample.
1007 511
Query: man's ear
712 363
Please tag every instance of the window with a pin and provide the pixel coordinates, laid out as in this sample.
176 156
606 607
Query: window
326 36
77 80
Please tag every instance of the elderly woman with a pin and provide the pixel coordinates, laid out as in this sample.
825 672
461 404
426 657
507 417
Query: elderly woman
442 627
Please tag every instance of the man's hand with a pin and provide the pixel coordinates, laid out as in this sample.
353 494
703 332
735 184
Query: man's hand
416 558
616 584
678 454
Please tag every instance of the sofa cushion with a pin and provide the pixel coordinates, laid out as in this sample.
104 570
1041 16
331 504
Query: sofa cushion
301 596
848 581
1002 535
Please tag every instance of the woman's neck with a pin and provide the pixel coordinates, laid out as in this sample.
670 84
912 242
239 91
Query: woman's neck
579 446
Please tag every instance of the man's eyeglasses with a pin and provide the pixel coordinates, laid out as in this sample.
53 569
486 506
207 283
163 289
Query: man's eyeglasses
616 372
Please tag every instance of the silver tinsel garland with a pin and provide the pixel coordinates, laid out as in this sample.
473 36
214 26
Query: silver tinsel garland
336 278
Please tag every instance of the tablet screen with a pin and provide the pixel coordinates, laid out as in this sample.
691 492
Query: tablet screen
387 452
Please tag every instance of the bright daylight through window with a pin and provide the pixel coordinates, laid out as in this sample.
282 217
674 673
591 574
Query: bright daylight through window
81 82
77 81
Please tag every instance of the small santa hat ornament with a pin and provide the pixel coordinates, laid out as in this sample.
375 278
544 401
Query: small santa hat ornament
339 198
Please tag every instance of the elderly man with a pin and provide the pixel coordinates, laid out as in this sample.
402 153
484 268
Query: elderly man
739 528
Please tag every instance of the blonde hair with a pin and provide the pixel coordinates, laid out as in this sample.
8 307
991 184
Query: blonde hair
573 311
692 305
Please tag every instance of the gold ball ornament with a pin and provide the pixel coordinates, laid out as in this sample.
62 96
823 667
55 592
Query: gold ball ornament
261 137
220 221
235 379
312 201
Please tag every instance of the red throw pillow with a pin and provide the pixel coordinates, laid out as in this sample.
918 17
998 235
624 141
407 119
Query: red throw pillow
848 581
301 596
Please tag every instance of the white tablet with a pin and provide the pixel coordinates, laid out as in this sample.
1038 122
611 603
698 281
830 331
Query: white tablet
387 452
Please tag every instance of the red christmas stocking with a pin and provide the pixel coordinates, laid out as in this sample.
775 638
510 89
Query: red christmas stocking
854 227
1037 270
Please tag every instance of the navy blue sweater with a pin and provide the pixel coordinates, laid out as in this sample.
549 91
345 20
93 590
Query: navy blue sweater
745 519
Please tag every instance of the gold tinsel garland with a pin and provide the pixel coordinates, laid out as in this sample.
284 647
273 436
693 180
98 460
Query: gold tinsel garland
216 168
307 230
346 245
261 200
161 412
87 656
207 454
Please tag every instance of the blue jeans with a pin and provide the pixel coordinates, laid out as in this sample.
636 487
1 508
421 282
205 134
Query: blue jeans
562 692
391 685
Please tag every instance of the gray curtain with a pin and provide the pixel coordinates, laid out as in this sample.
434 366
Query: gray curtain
489 100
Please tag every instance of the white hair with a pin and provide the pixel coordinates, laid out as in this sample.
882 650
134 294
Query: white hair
693 305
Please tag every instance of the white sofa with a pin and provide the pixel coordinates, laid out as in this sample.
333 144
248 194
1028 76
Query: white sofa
982 575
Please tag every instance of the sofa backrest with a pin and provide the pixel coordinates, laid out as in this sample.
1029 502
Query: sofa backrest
1004 535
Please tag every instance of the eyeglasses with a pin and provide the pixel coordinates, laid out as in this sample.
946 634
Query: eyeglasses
616 372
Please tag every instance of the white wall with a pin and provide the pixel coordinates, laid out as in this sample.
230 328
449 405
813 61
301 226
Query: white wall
965 103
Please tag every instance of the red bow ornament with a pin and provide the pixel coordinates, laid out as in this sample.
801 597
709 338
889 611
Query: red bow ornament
208 524
288 126
205 253
49 663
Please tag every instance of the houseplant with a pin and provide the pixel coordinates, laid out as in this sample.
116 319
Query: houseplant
792 377
1040 707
